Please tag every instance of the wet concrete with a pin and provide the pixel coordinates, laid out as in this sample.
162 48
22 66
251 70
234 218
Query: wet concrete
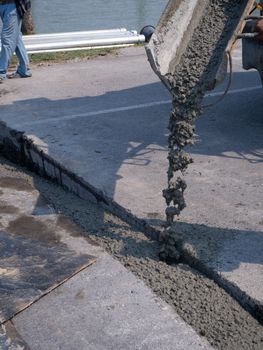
189 80
197 299
12 183
33 229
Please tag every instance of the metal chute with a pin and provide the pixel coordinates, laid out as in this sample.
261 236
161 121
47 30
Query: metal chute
174 32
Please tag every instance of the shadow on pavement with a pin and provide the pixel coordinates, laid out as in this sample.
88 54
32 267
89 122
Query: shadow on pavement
223 249
233 128
93 139
90 139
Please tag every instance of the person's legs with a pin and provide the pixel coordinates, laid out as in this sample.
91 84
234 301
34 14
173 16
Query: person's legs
23 66
9 35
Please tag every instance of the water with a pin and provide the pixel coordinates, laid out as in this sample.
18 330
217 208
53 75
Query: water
64 15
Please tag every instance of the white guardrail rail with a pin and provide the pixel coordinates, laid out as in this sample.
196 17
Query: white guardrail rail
81 40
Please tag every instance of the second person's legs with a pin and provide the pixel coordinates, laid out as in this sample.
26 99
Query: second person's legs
9 36
23 66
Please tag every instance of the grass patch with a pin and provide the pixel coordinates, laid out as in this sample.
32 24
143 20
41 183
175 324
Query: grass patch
55 57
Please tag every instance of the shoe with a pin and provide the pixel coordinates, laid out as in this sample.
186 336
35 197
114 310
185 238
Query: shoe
2 79
16 75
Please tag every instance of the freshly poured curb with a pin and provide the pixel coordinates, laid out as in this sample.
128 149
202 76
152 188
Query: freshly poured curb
16 146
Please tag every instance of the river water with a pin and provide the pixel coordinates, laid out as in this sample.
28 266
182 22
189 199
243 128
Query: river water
64 15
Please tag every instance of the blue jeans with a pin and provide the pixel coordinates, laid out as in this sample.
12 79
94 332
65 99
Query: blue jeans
11 41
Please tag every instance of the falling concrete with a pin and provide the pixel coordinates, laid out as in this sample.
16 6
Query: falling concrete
194 75
189 75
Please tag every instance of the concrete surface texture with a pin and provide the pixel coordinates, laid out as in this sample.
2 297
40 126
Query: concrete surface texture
34 255
102 308
106 120
105 308
199 301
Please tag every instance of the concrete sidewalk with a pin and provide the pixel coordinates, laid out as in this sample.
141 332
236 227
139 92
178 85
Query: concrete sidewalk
105 121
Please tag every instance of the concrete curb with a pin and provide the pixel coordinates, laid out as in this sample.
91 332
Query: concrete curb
19 148
16 146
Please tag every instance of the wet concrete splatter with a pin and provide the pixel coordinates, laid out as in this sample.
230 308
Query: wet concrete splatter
31 228
8 209
11 182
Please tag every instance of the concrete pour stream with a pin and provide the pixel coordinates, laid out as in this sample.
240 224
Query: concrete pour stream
191 78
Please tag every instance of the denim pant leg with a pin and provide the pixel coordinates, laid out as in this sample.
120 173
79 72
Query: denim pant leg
9 16
22 56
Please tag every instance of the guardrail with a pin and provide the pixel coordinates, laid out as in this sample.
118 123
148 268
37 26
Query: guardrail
81 40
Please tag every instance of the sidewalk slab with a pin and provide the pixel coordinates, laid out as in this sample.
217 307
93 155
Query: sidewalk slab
105 121
105 307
